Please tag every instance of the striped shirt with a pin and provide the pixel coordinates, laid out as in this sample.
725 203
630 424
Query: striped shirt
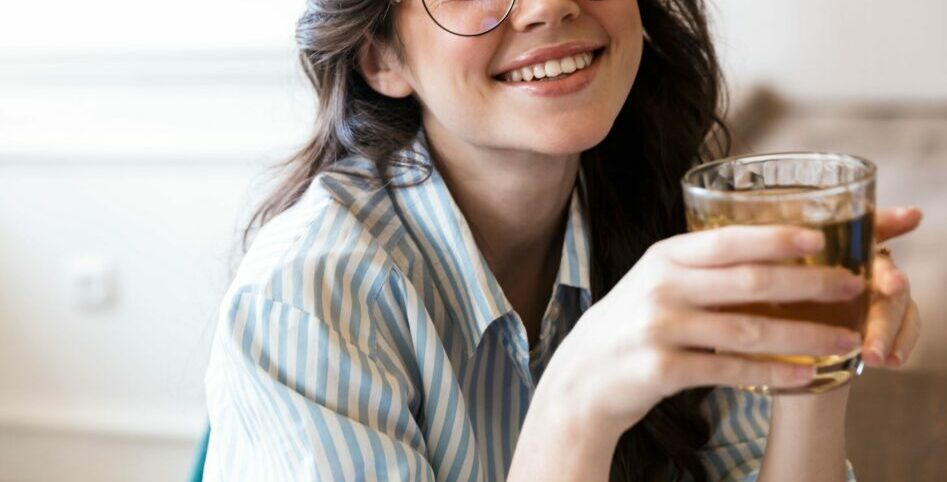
364 337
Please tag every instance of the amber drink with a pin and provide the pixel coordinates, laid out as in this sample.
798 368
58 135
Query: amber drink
834 193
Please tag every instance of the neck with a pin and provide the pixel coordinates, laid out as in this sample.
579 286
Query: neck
515 203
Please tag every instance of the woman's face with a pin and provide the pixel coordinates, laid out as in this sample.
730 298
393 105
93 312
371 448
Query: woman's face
463 87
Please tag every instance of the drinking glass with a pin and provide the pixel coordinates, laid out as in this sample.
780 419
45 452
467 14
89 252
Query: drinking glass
831 192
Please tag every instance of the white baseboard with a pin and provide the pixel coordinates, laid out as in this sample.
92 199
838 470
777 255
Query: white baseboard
47 445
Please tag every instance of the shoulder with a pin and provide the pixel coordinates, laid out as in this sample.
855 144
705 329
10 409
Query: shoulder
329 255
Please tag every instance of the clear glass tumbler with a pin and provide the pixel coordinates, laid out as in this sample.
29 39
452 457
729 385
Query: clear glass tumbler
834 193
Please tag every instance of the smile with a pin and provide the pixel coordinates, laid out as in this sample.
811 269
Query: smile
553 69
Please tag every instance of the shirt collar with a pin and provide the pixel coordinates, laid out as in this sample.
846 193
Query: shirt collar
460 270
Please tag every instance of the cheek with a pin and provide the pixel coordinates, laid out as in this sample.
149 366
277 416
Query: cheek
461 64
622 23
455 87
440 64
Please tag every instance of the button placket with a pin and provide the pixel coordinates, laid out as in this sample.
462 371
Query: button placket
517 346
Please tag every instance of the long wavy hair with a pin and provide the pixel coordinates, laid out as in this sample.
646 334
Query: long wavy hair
671 120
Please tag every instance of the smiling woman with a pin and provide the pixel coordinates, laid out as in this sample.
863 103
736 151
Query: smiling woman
427 296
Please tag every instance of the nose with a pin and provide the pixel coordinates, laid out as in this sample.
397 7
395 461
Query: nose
532 14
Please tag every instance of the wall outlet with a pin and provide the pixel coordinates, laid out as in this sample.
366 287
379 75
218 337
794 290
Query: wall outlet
91 280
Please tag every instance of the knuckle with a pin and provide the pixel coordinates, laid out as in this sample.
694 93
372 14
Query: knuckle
732 370
747 331
653 331
660 292
660 366
719 243
754 279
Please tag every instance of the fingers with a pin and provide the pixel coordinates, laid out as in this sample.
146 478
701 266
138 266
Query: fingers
741 244
745 333
885 314
762 282
895 222
886 277
678 370
907 337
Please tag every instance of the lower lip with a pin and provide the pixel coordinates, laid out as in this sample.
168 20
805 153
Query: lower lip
555 88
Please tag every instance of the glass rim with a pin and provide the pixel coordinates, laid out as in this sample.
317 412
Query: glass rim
863 179
430 14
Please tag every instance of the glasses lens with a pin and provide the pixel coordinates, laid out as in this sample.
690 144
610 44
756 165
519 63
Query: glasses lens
468 17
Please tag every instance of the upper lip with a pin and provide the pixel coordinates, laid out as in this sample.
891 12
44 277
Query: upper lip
543 54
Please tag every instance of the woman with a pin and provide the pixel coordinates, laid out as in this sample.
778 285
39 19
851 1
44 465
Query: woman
484 179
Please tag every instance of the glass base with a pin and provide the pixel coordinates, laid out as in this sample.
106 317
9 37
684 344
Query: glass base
831 373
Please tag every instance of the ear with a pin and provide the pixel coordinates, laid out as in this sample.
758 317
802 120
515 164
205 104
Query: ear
379 66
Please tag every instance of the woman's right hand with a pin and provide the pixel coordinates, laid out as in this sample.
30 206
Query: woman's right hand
652 334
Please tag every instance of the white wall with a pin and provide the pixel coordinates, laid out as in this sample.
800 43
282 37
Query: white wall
838 50
128 374
38 28
133 134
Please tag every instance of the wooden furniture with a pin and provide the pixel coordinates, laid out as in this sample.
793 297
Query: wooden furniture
897 426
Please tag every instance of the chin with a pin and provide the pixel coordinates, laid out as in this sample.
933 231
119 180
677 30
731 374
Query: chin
569 138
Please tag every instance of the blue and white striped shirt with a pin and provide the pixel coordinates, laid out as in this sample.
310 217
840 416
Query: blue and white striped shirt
364 337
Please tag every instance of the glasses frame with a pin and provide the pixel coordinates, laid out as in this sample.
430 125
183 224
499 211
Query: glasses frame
431 16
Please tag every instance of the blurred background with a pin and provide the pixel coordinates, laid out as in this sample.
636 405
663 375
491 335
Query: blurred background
133 138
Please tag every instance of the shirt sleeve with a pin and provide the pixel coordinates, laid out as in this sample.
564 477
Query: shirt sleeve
292 397
739 427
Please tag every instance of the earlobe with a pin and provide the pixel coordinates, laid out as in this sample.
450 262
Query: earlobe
381 71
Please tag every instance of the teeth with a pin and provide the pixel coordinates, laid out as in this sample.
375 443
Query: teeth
550 68
553 68
539 71
580 62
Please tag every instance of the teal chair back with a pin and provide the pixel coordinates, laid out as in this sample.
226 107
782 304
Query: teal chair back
197 472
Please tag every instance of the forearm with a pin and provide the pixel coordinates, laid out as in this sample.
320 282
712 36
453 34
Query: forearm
806 438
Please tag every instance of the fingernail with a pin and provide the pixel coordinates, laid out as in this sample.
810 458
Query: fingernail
848 341
878 349
810 240
906 210
895 360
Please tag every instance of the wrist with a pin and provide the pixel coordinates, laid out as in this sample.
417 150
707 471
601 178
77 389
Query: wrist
822 404
819 414
564 401
562 441
806 439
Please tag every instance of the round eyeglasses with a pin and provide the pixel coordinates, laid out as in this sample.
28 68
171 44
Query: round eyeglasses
468 18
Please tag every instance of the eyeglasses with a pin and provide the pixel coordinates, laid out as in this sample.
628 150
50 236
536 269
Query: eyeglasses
468 18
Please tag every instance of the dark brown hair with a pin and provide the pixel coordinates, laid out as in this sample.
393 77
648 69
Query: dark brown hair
670 121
